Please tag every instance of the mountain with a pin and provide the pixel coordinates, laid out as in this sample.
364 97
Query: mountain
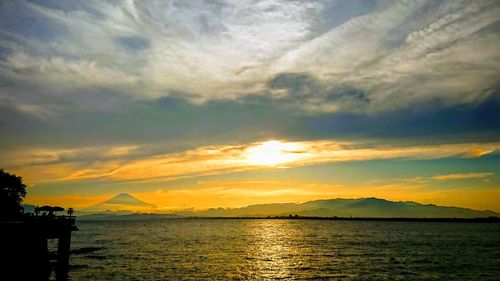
123 202
362 207
125 199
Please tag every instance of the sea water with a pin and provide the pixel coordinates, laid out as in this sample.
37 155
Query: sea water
272 249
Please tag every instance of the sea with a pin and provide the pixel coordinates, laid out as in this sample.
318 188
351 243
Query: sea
284 249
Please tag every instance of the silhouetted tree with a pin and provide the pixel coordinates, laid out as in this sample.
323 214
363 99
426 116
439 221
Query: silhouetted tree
12 192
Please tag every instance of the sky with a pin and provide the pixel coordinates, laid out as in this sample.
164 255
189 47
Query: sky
201 104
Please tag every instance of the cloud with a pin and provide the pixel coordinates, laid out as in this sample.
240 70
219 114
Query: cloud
303 91
133 44
99 117
427 181
127 163
353 56
463 176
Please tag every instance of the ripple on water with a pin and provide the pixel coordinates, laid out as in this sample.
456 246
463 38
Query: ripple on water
190 249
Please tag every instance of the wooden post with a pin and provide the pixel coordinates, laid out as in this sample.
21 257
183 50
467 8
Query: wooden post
63 248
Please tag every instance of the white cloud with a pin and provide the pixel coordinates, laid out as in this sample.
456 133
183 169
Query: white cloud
232 48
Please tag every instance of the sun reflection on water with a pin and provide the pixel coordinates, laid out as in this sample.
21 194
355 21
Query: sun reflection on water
273 250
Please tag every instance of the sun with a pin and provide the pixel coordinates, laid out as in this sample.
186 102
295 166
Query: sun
273 153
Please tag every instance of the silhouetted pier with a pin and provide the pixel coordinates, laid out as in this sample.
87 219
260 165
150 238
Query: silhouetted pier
25 253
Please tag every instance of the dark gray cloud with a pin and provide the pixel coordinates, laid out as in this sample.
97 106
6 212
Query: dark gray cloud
175 121
302 90
296 84
434 123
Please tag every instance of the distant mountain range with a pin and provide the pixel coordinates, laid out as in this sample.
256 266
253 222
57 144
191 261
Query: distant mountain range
362 207
126 207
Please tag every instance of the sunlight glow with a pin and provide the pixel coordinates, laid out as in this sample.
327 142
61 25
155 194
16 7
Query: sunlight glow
272 153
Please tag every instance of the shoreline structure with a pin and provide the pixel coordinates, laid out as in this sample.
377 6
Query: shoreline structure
25 248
